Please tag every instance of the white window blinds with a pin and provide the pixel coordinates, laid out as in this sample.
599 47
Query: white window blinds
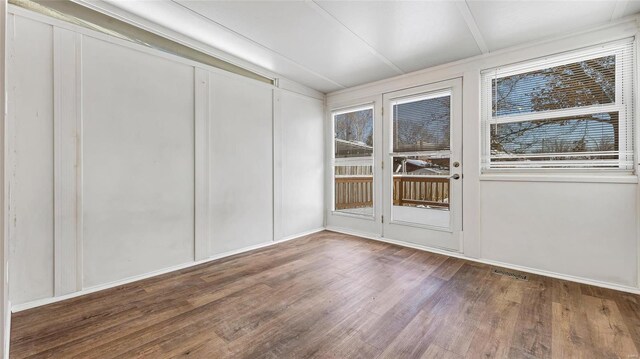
571 111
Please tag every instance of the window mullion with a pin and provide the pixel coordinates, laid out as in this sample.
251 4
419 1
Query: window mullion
551 115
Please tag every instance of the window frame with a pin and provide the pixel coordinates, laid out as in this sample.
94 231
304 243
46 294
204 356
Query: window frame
624 50
351 161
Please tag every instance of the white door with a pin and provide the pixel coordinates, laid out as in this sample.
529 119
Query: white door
422 145
355 179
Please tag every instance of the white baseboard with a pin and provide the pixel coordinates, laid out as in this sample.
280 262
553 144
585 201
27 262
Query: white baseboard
7 331
545 273
302 234
40 302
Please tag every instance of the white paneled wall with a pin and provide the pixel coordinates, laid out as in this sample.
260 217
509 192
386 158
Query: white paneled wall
302 163
125 162
580 229
241 179
137 162
30 165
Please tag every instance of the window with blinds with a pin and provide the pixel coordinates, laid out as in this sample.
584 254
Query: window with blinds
568 112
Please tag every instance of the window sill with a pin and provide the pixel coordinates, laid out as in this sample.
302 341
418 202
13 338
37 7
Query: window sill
554 177
353 215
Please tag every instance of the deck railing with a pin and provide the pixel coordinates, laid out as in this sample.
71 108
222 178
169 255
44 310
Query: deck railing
354 192
357 191
424 191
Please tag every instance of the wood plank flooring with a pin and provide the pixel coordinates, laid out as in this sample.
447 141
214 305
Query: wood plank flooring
330 295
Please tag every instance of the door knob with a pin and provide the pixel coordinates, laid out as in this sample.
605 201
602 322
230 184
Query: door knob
455 176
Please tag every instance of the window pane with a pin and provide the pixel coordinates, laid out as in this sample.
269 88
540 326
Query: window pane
422 125
578 138
354 189
420 166
353 170
354 134
584 83
421 182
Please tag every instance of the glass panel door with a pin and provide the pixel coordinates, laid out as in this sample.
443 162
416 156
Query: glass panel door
423 181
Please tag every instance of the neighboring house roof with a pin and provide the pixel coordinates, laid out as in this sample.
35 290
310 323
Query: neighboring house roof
352 149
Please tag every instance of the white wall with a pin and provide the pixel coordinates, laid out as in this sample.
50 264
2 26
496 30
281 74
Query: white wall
578 227
137 162
302 163
30 168
242 164
126 161
4 252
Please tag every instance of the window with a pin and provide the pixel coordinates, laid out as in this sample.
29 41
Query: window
421 142
353 161
569 112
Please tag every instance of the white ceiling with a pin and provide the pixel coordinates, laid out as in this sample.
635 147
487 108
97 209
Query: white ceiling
330 45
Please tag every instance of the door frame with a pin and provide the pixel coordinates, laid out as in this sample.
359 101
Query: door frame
425 235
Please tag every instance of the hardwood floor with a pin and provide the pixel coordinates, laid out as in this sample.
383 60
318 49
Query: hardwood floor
330 295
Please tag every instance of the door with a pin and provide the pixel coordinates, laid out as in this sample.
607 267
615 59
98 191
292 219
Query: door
422 145
355 179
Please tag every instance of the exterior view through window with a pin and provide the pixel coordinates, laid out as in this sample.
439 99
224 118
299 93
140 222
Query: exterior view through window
421 152
576 114
353 161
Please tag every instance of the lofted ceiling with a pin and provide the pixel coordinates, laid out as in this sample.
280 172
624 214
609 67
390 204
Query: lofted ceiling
331 45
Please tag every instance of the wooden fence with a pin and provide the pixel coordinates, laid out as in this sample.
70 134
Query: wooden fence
357 191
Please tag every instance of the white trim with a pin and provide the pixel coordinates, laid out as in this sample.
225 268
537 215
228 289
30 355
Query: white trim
555 114
467 15
40 302
7 330
202 161
566 277
600 49
428 95
276 161
297 89
356 108
555 177
301 234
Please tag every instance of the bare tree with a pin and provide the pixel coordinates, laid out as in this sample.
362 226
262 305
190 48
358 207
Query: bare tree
355 127
423 125
577 84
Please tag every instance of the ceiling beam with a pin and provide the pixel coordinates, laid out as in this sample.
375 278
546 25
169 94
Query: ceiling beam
327 15
465 11
618 10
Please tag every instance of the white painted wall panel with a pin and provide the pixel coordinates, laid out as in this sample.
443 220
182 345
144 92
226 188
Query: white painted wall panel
30 168
302 124
127 116
242 163
586 230
138 162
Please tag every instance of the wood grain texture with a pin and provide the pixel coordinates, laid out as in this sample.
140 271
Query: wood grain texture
330 295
